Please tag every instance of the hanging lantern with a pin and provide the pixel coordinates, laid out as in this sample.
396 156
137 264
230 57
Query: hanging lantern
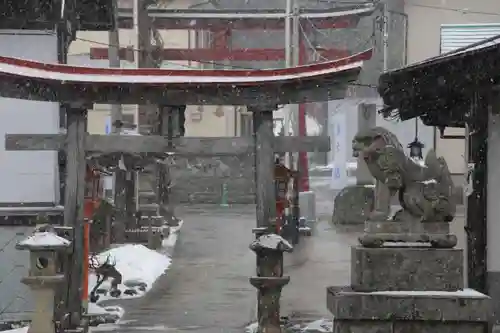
416 148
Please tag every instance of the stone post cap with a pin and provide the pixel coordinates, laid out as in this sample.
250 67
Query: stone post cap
271 242
43 241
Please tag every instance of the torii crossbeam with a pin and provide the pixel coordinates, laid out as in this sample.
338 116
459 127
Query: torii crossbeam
260 90
70 84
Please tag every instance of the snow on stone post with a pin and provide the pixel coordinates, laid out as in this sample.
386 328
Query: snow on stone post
269 281
43 278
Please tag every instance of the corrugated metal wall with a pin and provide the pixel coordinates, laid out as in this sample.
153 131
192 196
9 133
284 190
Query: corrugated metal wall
454 36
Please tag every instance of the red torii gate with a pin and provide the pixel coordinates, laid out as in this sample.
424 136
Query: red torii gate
260 90
222 24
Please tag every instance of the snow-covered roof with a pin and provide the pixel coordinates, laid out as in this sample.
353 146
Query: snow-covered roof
24 79
153 77
43 241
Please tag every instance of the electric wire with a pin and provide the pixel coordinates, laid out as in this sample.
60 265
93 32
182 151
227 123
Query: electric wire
458 10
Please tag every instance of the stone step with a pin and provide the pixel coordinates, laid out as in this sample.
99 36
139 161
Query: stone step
406 268
147 197
147 194
148 210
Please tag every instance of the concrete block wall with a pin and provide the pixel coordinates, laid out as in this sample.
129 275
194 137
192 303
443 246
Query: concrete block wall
200 180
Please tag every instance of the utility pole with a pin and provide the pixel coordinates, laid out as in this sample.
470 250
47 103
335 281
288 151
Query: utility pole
141 57
288 111
119 180
385 35
288 63
114 62
382 195
291 111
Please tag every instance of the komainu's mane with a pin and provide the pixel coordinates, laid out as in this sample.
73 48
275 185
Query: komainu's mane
389 137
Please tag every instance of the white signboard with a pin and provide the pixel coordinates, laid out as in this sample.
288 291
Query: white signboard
339 149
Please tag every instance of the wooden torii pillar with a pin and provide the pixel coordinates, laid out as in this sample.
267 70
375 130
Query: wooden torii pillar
261 90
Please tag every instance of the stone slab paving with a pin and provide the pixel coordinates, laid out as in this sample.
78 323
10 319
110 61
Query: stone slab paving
206 289
327 264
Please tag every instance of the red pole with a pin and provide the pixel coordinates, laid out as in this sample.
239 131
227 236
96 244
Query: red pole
304 164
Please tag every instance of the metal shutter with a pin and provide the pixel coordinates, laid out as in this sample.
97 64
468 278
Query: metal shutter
454 36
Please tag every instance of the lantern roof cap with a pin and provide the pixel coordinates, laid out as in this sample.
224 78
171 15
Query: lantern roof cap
43 241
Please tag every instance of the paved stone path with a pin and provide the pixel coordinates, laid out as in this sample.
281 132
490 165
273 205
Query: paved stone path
206 289
327 264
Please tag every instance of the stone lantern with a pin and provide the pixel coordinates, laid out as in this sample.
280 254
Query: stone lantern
43 278
269 281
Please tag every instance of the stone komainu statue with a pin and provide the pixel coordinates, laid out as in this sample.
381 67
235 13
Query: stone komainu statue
425 192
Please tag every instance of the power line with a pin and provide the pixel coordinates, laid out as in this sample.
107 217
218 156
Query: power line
458 10
206 62
320 31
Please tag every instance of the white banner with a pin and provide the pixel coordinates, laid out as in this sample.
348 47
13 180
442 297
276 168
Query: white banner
107 125
339 149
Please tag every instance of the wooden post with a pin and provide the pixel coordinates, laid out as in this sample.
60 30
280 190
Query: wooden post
73 207
166 128
295 199
264 168
476 226
120 203
168 121
130 206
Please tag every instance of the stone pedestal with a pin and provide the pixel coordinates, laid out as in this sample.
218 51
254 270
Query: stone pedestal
414 285
395 268
465 311
437 234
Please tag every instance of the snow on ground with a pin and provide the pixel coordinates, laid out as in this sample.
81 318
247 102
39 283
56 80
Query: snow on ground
113 312
317 326
252 328
322 325
18 330
139 267
170 241
104 328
